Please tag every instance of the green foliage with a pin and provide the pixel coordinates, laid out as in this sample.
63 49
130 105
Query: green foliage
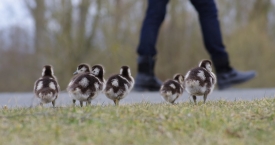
217 122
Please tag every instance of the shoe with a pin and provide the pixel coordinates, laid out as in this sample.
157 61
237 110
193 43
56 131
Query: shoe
145 82
146 79
233 77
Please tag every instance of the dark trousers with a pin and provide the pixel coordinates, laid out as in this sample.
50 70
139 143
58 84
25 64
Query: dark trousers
208 17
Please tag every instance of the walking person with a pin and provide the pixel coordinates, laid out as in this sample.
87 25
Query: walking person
211 32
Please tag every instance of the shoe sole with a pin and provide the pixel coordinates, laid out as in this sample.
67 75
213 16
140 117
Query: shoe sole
228 85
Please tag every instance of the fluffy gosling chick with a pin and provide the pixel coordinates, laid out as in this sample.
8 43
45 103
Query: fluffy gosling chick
118 86
86 83
98 71
46 88
171 89
200 81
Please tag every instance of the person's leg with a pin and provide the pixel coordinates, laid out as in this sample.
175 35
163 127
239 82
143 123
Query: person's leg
154 17
211 32
208 17
155 14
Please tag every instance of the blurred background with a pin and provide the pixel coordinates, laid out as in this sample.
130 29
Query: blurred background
64 33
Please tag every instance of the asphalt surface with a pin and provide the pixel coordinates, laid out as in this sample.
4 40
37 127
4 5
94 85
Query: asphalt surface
28 99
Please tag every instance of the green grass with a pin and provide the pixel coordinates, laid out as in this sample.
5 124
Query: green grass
216 122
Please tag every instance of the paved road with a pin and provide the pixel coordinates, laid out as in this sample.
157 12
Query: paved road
27 99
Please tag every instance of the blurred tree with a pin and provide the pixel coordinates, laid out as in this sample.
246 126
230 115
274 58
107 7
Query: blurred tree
69 32
260 11
37 10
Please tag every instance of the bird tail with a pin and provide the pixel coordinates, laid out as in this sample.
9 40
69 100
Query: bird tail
47 95
191 83
166 93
